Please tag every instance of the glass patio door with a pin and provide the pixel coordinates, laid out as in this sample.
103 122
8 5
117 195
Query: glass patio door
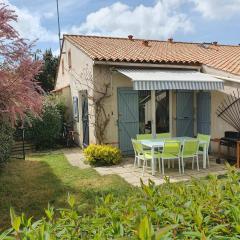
162 111
145 110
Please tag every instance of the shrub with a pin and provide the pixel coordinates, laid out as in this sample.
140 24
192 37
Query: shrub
6 140
102 155
46 132
198 209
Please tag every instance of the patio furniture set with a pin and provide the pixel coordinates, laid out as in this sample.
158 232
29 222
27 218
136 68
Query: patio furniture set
165 148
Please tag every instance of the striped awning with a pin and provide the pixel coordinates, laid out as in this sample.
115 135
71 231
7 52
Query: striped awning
162 79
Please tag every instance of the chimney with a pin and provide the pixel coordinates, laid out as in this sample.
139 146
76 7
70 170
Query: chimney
130 37
215 43
145 43
170 40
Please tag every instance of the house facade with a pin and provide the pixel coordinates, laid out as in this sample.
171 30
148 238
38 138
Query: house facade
145 86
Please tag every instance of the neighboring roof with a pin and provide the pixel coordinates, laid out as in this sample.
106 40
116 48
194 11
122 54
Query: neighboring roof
222 57
156 79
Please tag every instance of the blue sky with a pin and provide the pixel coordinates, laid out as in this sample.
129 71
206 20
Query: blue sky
184 20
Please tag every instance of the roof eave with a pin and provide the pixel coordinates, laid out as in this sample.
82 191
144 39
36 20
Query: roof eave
196 66
218 72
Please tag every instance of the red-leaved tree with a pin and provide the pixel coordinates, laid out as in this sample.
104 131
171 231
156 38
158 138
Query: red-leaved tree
19 92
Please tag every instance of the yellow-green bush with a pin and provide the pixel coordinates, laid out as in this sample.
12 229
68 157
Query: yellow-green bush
102 154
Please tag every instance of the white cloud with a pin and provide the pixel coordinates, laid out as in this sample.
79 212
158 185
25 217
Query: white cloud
159 21
49 14
71 4
217 9
29 25
56 52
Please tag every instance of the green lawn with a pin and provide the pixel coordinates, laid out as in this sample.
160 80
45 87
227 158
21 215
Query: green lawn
30 185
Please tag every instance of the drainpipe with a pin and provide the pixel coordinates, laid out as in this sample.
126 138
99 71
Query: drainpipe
153 108
111 81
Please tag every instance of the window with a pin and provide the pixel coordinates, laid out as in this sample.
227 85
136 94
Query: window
69 59
62 67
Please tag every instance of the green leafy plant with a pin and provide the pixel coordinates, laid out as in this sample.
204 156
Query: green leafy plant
102 155
196 210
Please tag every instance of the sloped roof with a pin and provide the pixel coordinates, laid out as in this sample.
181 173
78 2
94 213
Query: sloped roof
222 57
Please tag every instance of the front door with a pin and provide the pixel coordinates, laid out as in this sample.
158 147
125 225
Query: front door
204 112
128 118
85 119
184 116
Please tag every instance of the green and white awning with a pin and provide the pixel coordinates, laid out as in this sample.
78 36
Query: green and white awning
162 79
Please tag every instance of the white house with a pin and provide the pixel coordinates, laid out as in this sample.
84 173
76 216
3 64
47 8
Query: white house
152 86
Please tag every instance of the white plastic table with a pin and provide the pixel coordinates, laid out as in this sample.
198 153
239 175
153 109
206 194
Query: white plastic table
159 143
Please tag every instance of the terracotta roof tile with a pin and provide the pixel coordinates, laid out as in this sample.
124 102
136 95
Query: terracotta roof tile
222 57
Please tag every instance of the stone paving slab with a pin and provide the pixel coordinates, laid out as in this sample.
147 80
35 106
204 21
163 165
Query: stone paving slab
132 174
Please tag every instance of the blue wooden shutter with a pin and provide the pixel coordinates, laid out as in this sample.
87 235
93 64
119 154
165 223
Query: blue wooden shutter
85 120
128 118
184 116
204 112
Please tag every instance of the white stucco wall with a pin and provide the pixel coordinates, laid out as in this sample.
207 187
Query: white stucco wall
65 96
218 126
79 77
103 75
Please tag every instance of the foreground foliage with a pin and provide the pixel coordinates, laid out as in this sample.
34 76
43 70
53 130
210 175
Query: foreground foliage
200 209
102 155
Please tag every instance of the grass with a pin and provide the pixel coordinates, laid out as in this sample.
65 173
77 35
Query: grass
28 186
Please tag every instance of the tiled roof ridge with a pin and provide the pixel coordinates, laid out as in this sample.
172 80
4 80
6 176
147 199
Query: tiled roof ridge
117 49
150 40
131 60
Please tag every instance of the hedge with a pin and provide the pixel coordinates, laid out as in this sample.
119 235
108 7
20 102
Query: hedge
6 140
45 132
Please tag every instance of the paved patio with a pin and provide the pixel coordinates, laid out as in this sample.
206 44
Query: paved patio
132 175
